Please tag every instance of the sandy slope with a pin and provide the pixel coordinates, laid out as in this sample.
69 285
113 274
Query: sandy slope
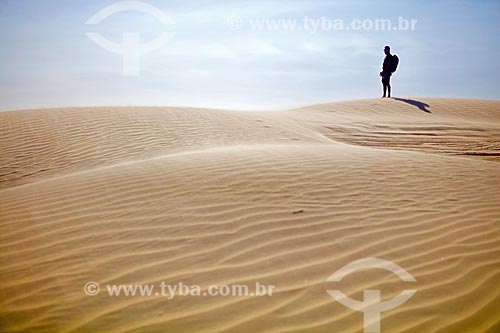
144 195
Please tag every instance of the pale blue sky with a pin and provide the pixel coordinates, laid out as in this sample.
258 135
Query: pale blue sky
46 60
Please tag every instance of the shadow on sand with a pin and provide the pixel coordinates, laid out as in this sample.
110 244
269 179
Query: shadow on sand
420 105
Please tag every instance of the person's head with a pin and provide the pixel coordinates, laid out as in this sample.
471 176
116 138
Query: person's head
387 50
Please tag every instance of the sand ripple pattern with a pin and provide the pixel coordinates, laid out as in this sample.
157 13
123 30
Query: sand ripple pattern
144 195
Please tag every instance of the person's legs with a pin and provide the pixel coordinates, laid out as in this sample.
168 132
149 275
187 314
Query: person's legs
385 83
388 83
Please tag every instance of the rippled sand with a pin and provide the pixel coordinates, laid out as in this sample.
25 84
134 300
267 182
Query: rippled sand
199 196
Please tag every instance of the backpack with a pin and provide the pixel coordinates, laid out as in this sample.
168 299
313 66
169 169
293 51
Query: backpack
394 63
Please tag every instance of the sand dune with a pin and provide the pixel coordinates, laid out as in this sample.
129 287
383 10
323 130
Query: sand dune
213 197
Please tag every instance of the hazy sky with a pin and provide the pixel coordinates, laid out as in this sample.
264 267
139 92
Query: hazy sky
46 59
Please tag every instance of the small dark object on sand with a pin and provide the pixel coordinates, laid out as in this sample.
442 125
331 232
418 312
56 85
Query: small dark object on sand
298 211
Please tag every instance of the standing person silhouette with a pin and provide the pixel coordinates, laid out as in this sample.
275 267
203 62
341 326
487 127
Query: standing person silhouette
386 72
